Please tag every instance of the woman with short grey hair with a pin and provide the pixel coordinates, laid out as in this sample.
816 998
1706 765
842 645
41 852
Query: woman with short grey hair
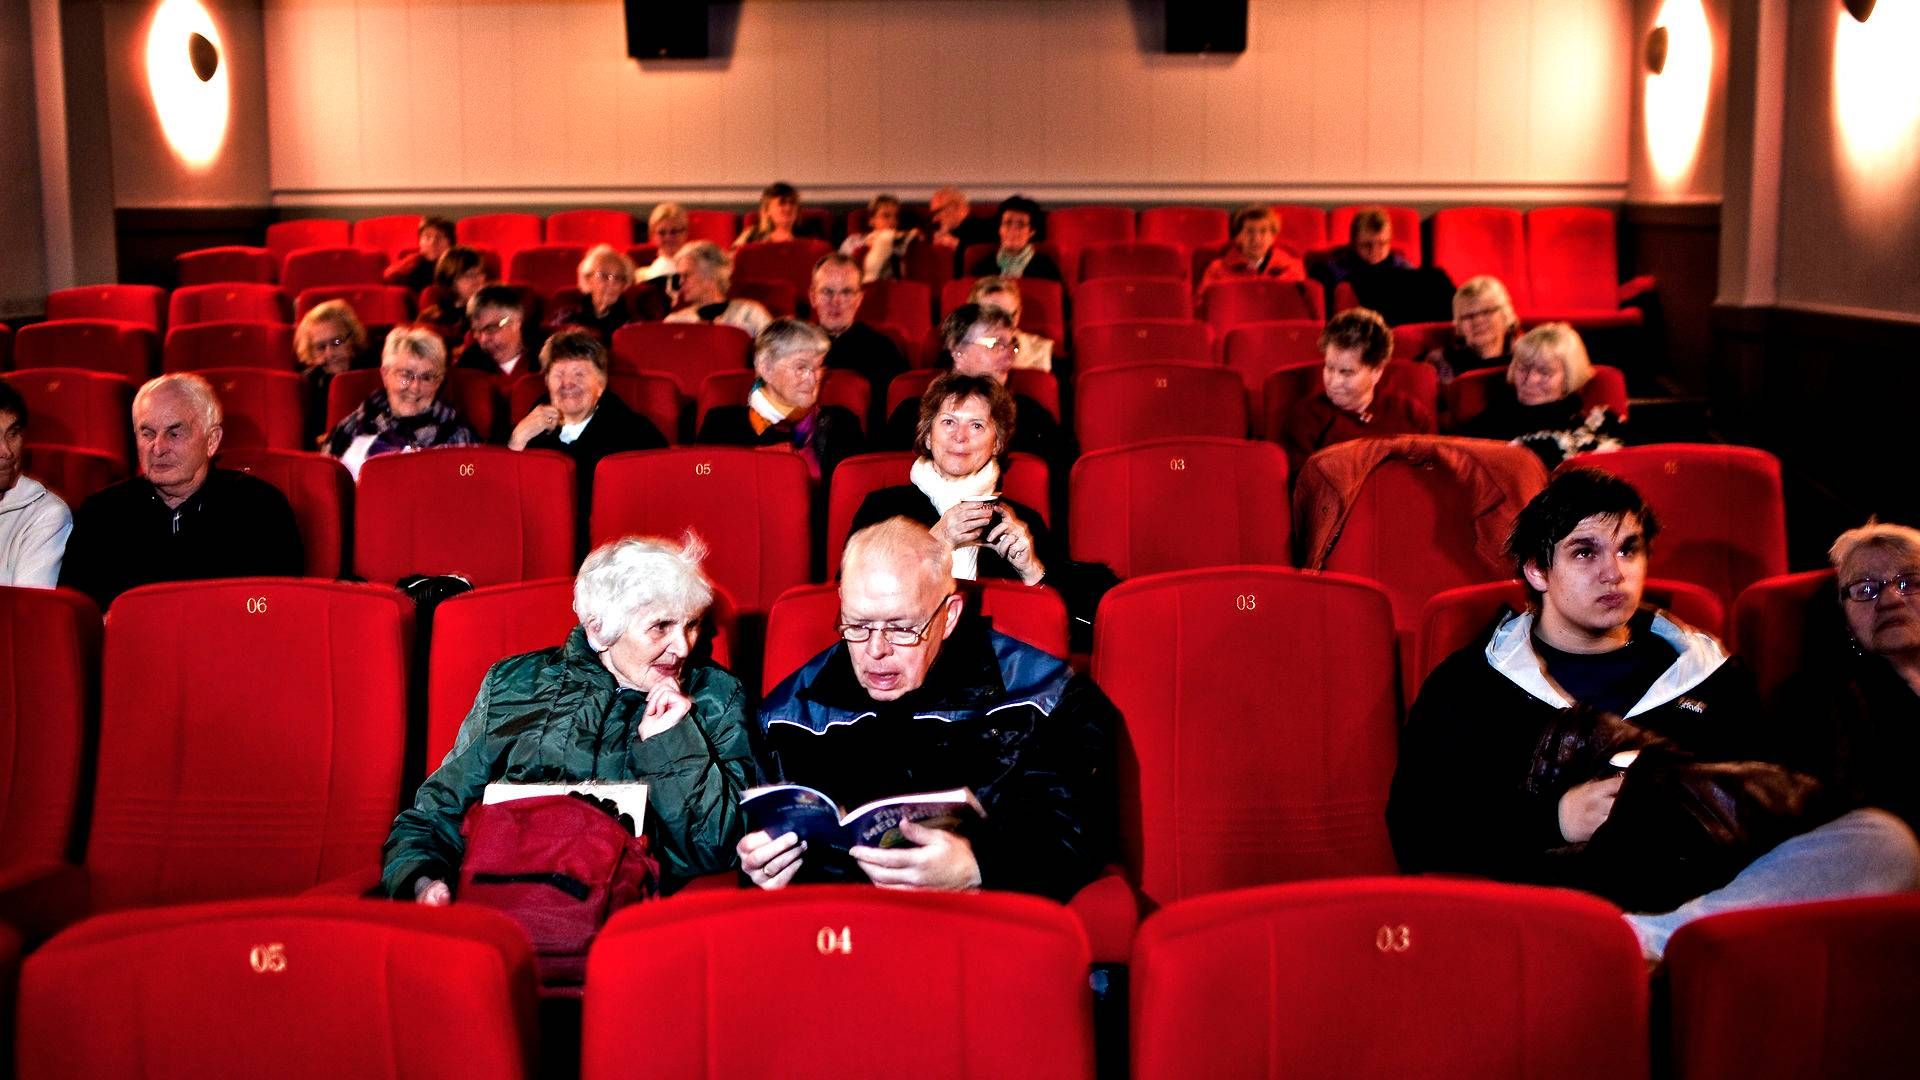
706 273
406 413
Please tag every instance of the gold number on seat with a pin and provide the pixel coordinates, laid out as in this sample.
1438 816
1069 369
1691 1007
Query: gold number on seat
1160 383
829 941
466 469
1246 601
1178 464
269 959
256 605
1393 939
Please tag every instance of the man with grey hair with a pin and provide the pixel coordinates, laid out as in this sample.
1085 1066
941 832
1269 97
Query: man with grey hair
181 518
920 696
783 408
835 296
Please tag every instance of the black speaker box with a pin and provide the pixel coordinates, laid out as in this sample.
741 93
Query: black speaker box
667 29
1206 26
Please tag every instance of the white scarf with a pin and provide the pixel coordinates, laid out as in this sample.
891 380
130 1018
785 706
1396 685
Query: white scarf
947 493
763 404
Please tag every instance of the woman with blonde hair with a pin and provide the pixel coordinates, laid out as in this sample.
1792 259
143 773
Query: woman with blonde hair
1539 407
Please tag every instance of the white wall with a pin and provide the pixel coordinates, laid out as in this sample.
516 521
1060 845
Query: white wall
535 101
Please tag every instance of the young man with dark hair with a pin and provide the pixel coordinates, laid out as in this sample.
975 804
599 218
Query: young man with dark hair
1469 796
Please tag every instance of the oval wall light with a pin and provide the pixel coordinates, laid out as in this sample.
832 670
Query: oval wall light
1676 90
188 80
1876 91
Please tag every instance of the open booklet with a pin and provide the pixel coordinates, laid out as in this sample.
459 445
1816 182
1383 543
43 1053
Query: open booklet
630 797
791 808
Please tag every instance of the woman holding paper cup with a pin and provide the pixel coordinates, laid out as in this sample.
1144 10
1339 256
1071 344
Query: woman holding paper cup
623 700
966 422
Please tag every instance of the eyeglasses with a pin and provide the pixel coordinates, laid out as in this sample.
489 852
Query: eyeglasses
899 637
1483 313
495 325
608 275
1867 590
413 378
993 344
333 343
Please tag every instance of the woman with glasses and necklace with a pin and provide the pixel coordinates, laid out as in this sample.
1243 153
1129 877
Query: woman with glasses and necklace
1484 326
406 413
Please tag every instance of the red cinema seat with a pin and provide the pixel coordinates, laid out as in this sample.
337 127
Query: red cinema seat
1287 386
754 509
1302 228
779 297
643 255
1380 978
117 348
649 393
1821 989
1411 341
1573 256
485 513
1772 619
6 347
1125 405
1134 259
286 237
1024 481
1470 392
1724 524
310 268
790 261
191 305
1469 241
474 630
1433 513
1042 304
546 268
590 227
1405 221
720 226
301 989
505 233
47 686
1142 341
89 410
687 351
73 472
222 265
1268 756
1039 386
997 981
388 233
1238 301
1180 504
905 304
260 410
142 304
1256 350
1184 226
1116 299
1073 229
229 345
928 263
320 491
845 389
381 305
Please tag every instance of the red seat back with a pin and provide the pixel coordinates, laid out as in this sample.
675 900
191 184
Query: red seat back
85 409
1302 228
1390 977
1073 229
219 265
998 982
142 304
206 767
719 226
687 351
1470 392
1042 304
383 305
1237 301
1185 226
649 393
905 304
1124 405
310 268
261 410
1573 258
1771 621
1411 341
546 268
1256 350
790 261
474 630
73 472
1116 299
320 491
1405 221
486 513
286 237
1261 720
1135 508
229 345
388 233
1142 341
1024 481
590 227
282 988
1135 259
779 297
51 640
232 302
1472 240
504 233
118 348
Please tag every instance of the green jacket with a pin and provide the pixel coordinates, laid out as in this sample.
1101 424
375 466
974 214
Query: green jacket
543 717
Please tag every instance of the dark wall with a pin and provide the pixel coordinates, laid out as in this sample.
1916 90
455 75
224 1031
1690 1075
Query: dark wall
1680 246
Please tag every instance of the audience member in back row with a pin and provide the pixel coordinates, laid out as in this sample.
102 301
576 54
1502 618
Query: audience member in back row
578 416
1369 249
1017 257
181 519
1539 406
1381 278
457 278
600 302
980 341
1034 352
414 270
405 413
835 297
1484 326
499 332
667 229
624 699
1516 762
706 273
876 247
328 341
961 443
919 697
1255 251
953 226
783 408
34 522
1350 404
778 219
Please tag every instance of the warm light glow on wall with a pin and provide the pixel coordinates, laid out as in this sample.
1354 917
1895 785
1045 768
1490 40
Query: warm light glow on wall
1876 88
1676 99
192 103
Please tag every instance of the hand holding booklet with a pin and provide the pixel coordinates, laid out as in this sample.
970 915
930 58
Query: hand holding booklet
792 808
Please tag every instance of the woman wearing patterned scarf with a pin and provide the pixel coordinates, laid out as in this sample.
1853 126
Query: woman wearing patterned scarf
784 409
405 413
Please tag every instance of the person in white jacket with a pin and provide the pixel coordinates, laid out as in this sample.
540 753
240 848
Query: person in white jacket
34 523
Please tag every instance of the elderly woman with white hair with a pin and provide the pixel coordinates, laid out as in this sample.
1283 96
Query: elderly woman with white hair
406 412
1540 408
706 273
1484 326
783 409
623 700
601 303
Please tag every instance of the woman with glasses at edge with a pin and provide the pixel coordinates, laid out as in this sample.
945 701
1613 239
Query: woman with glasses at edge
980 339
1484 328
405 413
328 341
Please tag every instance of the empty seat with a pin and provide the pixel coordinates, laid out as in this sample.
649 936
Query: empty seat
1573 260
1723 519
687 351
546 268
719 226
905 304
485 513
780 298
472 631
50 639
754 508
229 345
1472 240
191 305
220 265
1042 305
1406 228
1141 341
1024 480
1385 978
790 261
86 409
375 305
1177 504
1115 299
1135 259
311 267
1302 228
260 409
1237 301
1185 226
118 348
505 233
590 227
649 393
1081 227
286 237
838 387
1411 341
1255 351
1131 404
286 988
1771 620
1284 388
997 983
1470 392
142 304
388 233
73 472
318 489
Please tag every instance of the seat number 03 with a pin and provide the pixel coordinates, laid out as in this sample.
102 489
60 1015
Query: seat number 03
1393 939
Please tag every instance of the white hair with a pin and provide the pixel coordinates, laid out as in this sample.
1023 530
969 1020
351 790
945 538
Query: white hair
899 541
1902 540
621 579
198 392
416 341
1557 341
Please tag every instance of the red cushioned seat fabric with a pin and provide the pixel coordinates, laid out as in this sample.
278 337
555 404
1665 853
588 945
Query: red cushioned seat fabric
117 348
1402 378
590 227
1138 259
387 233
1804 990
1237 301
1573 258
83 409
687 351
1040 386
846 389
789 261
719 226
1770 621
1469 241
229 345
1142 341
1261 719
546 268
1411 341
1084 226
1469 394
291 989
218 265
1136 508
486 513
191 305
145 305
382 305
1302 228
1185 226
1256 350
907 305
1042 303
1378 979
1024 480
474 630
1405 221
50 639
257 755
1125 405
260 409
73 472
312 267
504 233
286 237
320 491
839 981
1114 299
